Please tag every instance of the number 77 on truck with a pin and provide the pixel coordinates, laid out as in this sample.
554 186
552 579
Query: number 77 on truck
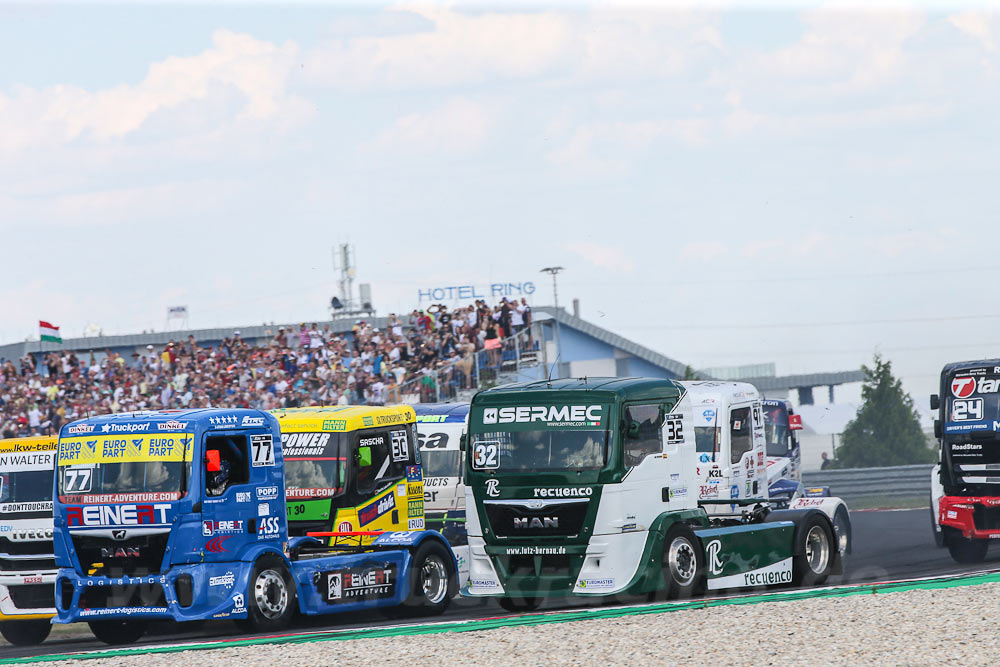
590 487
180 515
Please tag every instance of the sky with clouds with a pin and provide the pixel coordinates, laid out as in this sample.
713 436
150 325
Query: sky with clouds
802 185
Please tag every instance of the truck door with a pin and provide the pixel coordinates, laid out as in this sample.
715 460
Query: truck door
240 504
742 466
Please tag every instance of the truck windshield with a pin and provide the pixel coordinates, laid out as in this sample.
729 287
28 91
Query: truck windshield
101 482
26 486
549 449
776 431
441 463
315 464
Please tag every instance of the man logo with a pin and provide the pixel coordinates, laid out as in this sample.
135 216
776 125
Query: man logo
714 562
493 487
118 535
489 415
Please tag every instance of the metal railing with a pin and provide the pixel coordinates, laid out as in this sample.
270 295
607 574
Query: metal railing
475 371
913 481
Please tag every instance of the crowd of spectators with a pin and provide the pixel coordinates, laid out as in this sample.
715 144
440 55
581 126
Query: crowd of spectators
408 357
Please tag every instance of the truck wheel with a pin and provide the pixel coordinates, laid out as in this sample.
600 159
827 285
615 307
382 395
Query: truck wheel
26 633
842 530
814 557
270 598
432 581
938 533
682 563
519 604
964 550
118 632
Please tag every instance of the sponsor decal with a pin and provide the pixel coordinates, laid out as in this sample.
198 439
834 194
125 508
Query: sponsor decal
224 421
108 498
712 550
296 445
680 492
119 534
32 580
714 473
251 422
121 611
483 583
334 425
267 492
415 524
552 415
388 420
358 583
708 491
80 428
535 551
172 425
263 509
153 514
807 502
629 527
415 508
269 528
125 428
734 491
374 510
224 527
242 496
414 474
415 489
596 583
345 527
120 552
965 386
493 487
239 604
367 421
536 522
431 419
18 462
262 450
216 546
704 458
565 492
227 580
15 508
115 449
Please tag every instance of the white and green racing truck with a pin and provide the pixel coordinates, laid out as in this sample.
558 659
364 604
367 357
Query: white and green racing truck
591 487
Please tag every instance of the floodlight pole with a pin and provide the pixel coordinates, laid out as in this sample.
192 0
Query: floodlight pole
554 271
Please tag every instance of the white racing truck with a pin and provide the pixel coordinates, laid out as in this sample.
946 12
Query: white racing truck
440 429
732 436
27 565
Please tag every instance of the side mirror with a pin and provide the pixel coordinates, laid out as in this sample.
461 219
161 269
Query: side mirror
364 456
937 429
935 401
463 441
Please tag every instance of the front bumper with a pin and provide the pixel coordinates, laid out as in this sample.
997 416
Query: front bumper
20 599
976 518
217 590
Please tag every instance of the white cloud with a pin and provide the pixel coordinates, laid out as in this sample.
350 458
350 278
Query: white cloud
255 72
979 26
703 250
459 126
613 258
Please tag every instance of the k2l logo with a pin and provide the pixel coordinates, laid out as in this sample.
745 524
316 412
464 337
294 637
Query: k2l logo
493 487
963 387
714 562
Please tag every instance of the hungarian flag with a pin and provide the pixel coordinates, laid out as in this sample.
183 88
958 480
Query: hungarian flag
49 333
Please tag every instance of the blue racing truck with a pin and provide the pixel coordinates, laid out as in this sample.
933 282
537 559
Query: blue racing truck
181 515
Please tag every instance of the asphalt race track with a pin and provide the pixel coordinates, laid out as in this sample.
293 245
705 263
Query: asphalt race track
888 545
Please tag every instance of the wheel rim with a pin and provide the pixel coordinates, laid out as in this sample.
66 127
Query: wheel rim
682 560
817 549
271 594
434 579
840 530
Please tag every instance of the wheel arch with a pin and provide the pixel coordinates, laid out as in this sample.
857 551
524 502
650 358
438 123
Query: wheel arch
799 518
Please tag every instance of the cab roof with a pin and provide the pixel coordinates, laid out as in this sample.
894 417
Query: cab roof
342 417
451 412
604 388
204 417
719 389
958 366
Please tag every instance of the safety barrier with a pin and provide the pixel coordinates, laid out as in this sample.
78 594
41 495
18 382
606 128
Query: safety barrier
913 481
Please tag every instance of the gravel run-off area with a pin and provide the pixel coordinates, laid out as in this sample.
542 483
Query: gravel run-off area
923 627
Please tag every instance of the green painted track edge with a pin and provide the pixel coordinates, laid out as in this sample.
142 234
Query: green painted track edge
476 625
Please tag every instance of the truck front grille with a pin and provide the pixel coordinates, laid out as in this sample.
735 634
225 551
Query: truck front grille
132 595
532 518
986 518
135 556
33 596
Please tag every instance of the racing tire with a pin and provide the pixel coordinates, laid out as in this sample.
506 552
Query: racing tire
683 564
814 550
26 633
432 583
935 527
270 597
517 605
118 632
963 550
842 531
